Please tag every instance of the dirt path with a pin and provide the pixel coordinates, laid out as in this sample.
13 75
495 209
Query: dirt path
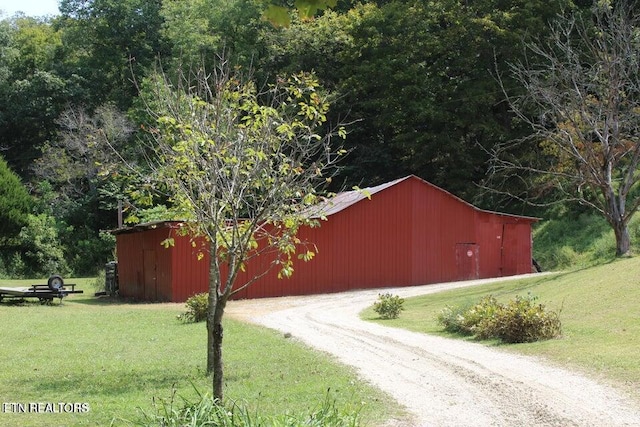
442 382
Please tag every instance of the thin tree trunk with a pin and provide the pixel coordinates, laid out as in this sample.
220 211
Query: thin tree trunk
214 277
217 303
218 368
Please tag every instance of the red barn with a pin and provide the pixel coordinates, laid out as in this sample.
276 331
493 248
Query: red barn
402 233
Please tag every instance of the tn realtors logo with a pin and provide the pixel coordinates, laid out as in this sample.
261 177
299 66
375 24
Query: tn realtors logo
45 408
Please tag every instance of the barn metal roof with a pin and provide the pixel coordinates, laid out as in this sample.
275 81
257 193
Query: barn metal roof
343 200
148 226
333 205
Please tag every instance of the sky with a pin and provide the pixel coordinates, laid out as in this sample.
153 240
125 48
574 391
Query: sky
29 7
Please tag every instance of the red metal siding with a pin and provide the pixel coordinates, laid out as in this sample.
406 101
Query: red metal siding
144 266
506 245
190 275
516 257
163 290
371 242
408 233
440 223
130 273
489 237
367 245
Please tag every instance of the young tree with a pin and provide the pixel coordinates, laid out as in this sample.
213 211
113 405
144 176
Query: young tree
582 101
242 167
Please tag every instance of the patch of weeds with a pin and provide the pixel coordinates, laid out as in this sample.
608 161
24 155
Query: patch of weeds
99 283
207 411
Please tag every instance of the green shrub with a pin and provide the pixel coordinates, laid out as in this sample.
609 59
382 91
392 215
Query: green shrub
520 320
197 306
479 313
14 267
37 251
452 319
466 319
388 306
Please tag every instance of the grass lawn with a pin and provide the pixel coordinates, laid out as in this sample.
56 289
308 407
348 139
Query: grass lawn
600 314
116 357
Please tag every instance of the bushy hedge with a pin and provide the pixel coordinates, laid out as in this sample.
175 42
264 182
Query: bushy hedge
519 320
197 306
388 306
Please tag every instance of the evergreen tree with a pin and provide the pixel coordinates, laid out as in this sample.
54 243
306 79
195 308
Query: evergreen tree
15 202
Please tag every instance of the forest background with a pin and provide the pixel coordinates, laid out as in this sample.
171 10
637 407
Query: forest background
414 80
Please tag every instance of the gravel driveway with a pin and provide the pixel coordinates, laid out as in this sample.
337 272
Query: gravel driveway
442 382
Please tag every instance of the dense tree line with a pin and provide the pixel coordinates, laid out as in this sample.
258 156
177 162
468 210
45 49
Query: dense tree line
415 81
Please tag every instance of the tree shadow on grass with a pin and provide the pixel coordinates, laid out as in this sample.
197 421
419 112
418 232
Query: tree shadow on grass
105 300
104 383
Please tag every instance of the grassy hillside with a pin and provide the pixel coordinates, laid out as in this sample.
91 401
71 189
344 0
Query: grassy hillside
599 313
117 357
570 240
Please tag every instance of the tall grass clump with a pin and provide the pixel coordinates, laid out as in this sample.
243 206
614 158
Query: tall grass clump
99 283
207 412
200 413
